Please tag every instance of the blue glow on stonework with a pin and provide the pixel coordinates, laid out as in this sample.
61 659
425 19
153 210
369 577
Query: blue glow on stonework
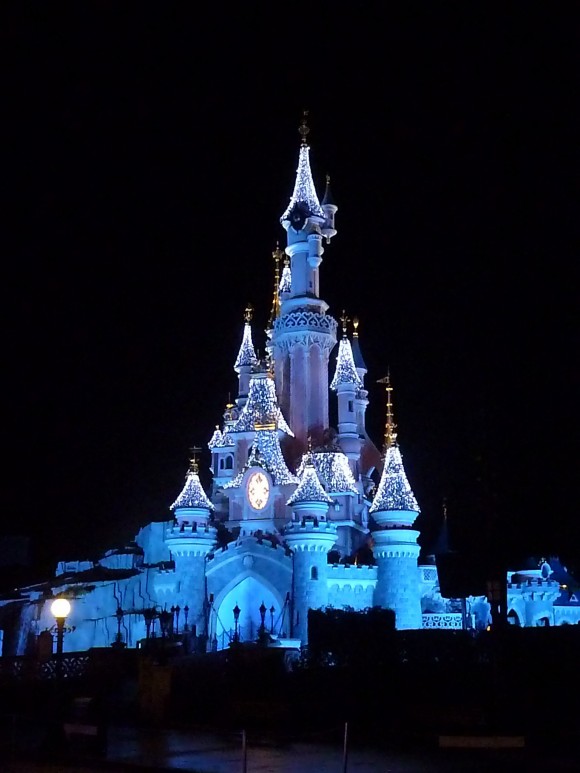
285 281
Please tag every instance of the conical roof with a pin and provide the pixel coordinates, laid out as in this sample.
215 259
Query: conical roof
304 194
261 407
394 491
345 372
247 355
192 494
310 488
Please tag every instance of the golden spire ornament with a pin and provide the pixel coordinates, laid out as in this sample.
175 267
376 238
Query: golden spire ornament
248 313
390 437
345 320
193 465
277 255
355 324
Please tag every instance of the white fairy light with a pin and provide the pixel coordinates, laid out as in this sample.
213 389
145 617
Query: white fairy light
346 372
394 491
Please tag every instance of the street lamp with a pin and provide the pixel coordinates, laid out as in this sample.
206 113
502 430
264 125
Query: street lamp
60 609
236 611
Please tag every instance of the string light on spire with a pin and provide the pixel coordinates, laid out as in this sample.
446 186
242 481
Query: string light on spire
286 280
304 195
394 491
346 372
246 355
192 494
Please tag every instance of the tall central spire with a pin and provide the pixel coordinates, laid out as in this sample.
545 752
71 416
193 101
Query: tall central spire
304 200
390 436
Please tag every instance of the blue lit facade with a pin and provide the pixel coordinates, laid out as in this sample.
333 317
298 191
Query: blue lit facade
295 499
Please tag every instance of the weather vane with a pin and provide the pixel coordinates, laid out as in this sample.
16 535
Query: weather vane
304 128
345 320
193 465
390 426
248 312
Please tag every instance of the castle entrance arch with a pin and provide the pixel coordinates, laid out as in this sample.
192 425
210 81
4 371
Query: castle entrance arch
247 595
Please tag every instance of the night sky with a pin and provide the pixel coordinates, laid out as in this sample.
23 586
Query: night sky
146 159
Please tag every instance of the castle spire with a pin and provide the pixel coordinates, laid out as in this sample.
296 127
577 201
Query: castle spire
345 372
192 495
356 351
246 356
394 491
304 200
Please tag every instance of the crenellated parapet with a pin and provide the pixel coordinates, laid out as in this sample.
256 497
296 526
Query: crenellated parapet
190 540
310 535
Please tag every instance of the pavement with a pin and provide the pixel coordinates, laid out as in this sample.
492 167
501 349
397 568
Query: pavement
147 750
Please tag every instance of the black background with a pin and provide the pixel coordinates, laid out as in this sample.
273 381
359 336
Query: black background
147 157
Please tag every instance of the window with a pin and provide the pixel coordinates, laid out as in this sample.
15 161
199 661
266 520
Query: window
229 462
314 573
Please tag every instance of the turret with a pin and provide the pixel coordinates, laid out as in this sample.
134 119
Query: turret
310 537
303 335
394 510
190 540
346 383
246 358
329 208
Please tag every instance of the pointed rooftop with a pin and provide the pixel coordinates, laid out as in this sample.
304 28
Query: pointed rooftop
394 491
304 195
345 372
261 407
247 354
356 352
328 200
216 439
333 471
266 452
309 489
192 494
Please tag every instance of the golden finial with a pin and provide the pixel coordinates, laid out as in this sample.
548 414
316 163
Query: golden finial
304 128
390 426
328 179
248 312
355 324
275 312
345 320
193 465
444 508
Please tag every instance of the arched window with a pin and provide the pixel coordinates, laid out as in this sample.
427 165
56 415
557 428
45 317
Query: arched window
229 462
314 573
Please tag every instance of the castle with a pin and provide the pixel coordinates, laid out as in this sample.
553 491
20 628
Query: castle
292 500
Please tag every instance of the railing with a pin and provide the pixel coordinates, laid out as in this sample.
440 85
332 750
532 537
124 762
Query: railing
72 666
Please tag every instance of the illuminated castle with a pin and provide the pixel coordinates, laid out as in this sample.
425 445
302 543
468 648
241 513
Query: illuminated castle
292 500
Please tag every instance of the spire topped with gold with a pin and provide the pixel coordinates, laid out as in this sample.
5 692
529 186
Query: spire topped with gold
390 437
246 355
345 372
304 201
355 324
394 491
277 255
345 320
192 494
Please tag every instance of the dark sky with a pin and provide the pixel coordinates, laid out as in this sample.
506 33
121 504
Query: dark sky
147 156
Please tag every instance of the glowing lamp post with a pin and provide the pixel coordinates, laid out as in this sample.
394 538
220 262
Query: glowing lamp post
236 611
60 609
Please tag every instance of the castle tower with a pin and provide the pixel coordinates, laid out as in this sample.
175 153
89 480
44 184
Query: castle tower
246 358
346 383
190 540
310 537
361 398
394 510
304 334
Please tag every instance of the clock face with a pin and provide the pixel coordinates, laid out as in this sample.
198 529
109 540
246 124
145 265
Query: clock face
258 490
